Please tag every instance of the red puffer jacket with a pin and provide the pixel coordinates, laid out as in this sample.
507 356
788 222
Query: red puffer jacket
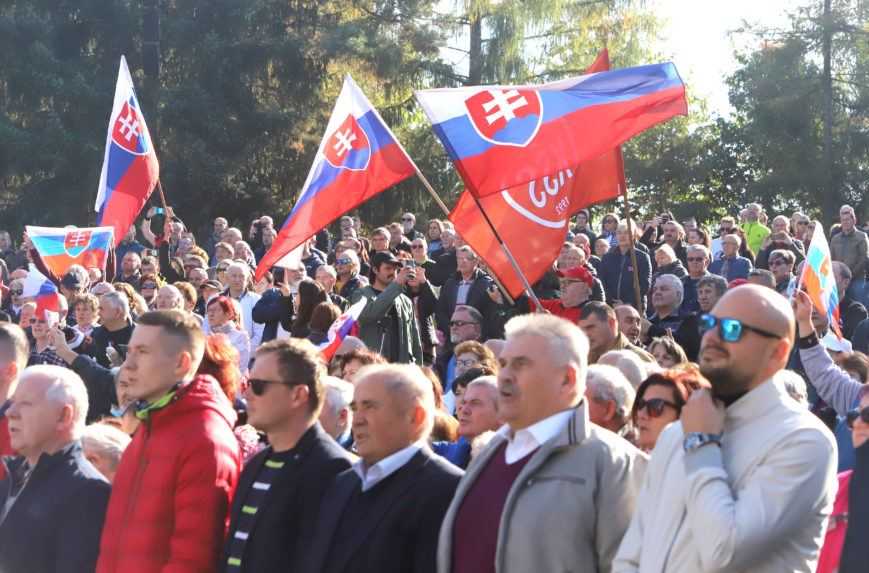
168 511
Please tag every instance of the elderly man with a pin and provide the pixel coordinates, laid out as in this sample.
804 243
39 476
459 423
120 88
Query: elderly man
731 265
103 445
408 224
473 287
281 488
666 299
745 479
238 281
493 523
169 298
610 398
689 333
851 312
173 487
478 414
336 416
698 258
466 324
781 265
116 326
780 238
598 321
630 323
14 352
850 246
384 514
755 231
576 287
53 503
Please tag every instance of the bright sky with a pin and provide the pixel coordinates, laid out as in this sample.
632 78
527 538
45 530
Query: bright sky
695 35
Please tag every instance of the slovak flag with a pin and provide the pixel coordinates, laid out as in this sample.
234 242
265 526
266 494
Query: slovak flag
45 294
818 280
499 137
345 325
130 167
358 158
61 248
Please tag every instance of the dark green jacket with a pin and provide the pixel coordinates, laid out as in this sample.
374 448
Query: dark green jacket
374 327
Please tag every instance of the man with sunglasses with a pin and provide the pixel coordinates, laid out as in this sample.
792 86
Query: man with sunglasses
698 259
280 490
408 224
745 480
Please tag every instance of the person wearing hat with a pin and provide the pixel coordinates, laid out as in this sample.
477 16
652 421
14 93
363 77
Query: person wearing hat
576 285
387 324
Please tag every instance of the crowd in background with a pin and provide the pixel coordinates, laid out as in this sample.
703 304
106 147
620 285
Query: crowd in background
178 415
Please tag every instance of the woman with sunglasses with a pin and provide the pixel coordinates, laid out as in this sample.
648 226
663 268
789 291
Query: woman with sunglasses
148 287
659 402
223 318
608 227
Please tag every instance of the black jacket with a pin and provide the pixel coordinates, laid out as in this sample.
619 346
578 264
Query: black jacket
400 532
272 309
478 297
283 525
103 337
851 313
56 522
100 384
855 552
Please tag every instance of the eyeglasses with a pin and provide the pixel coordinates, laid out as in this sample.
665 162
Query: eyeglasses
416 246
467 362
461 323
696 259
776 263
406 219
856 413
802 222
343 261
149 285
258 385
222 269
37 321
655 406
16 292
730 329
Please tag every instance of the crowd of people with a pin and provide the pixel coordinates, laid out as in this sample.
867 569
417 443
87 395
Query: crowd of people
179 415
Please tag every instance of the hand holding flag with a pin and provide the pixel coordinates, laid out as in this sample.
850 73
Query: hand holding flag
818 280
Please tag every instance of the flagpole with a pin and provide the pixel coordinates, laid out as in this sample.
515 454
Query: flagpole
638 297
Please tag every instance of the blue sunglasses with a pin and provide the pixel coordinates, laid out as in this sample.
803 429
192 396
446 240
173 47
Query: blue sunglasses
730 329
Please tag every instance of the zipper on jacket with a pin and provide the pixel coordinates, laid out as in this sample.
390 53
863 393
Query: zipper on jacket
137 484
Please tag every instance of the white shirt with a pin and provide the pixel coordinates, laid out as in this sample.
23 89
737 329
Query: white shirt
385 467
526 440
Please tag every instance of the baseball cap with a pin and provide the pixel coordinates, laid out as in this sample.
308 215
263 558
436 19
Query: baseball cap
72 281
579 273
832 343
381 257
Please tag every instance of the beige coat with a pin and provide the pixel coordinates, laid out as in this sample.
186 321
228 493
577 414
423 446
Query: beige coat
568 508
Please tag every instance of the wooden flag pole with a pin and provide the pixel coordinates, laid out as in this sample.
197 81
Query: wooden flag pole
638 297
446 211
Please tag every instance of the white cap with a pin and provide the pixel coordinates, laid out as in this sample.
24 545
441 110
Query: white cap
832 343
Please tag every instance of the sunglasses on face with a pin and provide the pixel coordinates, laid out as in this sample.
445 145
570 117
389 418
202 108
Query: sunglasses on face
342 262
16 292
258 385
406 219
856 413
730 329
776 263
461 323
416 246
222 269
696 259
149 286
655 406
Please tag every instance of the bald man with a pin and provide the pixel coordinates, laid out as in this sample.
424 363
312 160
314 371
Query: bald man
746 479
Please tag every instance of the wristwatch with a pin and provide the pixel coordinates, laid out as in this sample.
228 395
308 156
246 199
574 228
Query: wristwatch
696 440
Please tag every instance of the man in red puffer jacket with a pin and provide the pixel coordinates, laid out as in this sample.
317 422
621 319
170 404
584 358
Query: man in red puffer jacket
169 506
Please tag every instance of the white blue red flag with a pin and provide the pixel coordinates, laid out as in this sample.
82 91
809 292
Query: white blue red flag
345 325
499 137
44 292
130 167
358 158
818 281
61 248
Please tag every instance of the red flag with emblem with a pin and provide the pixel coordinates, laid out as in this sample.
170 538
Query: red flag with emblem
532 218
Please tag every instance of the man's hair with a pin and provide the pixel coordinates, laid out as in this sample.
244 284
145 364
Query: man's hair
381 231
601 310
65 387
225 246
697 249
337 394
607 383
667 250
328 269
187 290
717 282
476 315
14 346
108 441
177 296
856 362
87 300
785 254
410 383
468 251
183 330
567 343
239 265
843 271
629 364
118 300
676 283
728 219
302 363
766 276
736 237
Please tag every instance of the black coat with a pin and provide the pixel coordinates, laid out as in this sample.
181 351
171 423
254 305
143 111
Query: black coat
56 522
272 309
281 531
855 551
100 384
478 297
400 534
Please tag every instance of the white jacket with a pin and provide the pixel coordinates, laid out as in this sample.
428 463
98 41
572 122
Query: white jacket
759 503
